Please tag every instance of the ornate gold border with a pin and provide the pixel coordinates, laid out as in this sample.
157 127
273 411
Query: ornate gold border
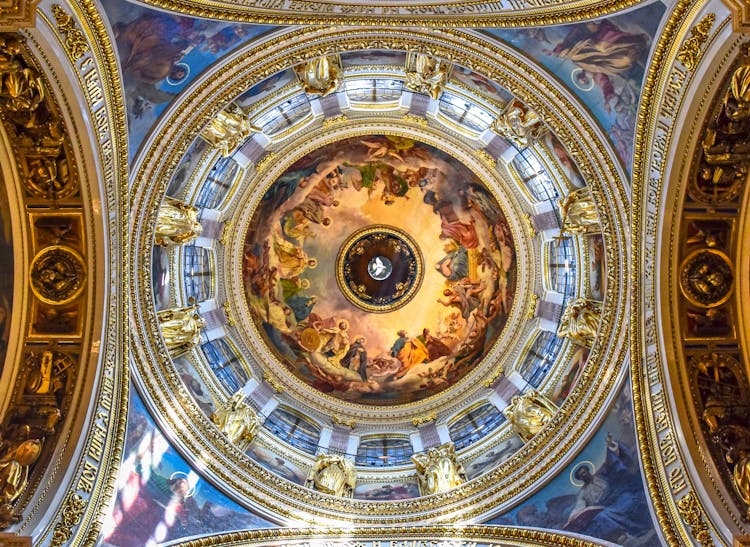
416 536
672 477
253 485
457 13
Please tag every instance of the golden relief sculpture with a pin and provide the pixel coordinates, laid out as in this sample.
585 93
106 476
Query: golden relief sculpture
236 419
735 442
580 321
519 124
333 474
16 459
726 146
706 278
228 130
425 74
529 412
578 213
176 223
181 329
33 125
321 76
57 275
438 470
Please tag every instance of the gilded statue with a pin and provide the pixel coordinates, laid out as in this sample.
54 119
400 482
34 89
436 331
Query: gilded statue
579 213
236 419
529 413
181 329
427 75
519 124
735 441
737 100
229 129
580 321
320 76
438 470
333 474
176 223
14 474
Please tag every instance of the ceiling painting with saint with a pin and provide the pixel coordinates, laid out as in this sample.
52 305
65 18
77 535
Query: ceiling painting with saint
368 331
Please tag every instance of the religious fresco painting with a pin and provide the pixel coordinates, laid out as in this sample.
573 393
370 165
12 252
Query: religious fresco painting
373 57
195 385
267 87
160 498
161 53
271 461
600 494
472 80
571 372
379 269
563 161
493 457
597 267
602 61
387 491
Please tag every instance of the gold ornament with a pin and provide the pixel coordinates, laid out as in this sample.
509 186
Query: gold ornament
57 275
333 474
181 329
438 470
236 419
529 413
176 223
580 321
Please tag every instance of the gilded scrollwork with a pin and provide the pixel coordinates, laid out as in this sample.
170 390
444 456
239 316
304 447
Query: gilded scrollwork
690 52
438 469
75 42
690 510
529 413
519 124
333 474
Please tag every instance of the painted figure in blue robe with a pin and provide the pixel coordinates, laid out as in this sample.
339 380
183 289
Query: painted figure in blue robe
611 504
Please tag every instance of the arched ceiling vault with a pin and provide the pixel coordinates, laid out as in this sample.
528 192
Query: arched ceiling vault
565 266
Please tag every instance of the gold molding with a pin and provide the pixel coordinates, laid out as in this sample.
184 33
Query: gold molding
17 14
402 536
460 13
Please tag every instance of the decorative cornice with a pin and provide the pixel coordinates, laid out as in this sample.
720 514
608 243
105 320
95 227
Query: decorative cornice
17 14
462 13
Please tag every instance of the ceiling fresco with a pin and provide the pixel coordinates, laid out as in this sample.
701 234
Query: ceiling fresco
379 278
368 347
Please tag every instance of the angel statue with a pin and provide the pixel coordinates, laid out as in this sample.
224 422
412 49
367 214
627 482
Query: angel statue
176 223
529 413
236 419
333 474
438 470
181 329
